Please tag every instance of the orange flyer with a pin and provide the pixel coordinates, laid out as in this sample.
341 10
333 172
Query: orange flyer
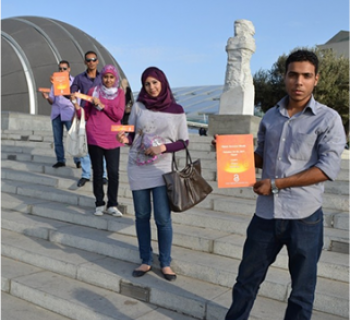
61 84
235 161
125 128
83 96
45 90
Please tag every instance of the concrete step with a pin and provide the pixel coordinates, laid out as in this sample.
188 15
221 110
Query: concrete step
65 191
78 300
202 143
49 178
199 234
186 295
46 156
238 223
125 248
192 297
43 164
13 308
48 193
189 237
201 216
45 136
341 220
27 145
338 202
24 163
197 144
44 218
62 190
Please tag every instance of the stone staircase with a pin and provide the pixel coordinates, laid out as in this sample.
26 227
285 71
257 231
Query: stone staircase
58 256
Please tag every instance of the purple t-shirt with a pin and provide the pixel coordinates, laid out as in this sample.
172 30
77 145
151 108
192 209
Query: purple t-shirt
61 106
83 83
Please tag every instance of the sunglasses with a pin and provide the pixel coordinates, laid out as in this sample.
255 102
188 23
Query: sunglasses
91 59
62 69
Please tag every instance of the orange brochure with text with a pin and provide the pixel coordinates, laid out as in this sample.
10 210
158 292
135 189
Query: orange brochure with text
125 128
83 96
235 161
61 84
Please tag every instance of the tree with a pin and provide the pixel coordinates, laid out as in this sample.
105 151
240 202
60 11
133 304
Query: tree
332 88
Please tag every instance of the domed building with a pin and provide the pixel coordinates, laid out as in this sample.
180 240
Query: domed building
31 48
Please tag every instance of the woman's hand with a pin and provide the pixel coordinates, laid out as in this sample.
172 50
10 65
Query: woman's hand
97 103
155 150
122 138
73 99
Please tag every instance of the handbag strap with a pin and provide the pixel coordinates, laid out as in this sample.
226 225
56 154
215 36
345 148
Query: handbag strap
82 119
188 158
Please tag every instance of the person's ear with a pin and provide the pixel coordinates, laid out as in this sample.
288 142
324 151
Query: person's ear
316 79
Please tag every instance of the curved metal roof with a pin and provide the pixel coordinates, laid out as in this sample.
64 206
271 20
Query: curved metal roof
31 48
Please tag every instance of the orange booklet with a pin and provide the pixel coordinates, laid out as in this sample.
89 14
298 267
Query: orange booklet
83 96
45 90
61 84
235 161
125 128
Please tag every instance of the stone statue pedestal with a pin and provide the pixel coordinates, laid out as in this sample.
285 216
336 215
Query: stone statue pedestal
238 100
236 112
233 124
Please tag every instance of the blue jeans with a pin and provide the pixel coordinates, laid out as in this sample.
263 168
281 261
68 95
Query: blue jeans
111 156
57 129
142 205
86 167
265 239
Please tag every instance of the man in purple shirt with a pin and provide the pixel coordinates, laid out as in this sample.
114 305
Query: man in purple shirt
300 142
62 112
83 82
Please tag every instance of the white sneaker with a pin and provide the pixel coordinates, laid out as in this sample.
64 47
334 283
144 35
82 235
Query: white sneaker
114 212
99 211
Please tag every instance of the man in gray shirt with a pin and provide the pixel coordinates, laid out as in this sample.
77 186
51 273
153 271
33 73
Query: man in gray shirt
300 143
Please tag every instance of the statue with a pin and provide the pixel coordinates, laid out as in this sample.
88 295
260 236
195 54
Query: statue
238 93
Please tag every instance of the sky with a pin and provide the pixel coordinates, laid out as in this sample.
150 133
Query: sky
187 38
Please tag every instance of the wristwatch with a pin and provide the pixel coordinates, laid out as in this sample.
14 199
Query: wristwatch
74 101
274 189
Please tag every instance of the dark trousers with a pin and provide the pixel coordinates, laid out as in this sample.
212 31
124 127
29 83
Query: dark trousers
112 160
265 239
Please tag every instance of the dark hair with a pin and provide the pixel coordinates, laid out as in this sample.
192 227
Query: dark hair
66 62
90 52
303 55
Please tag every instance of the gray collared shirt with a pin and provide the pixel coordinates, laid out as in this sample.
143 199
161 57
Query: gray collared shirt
289 145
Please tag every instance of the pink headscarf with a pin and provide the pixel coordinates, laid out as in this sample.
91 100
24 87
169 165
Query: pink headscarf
109 93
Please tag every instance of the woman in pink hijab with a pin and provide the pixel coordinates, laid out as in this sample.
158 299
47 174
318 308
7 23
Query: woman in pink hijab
105 109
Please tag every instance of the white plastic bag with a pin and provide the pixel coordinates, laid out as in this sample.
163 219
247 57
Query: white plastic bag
76 142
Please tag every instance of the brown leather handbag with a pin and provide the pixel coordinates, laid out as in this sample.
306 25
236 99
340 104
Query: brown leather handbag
186 187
